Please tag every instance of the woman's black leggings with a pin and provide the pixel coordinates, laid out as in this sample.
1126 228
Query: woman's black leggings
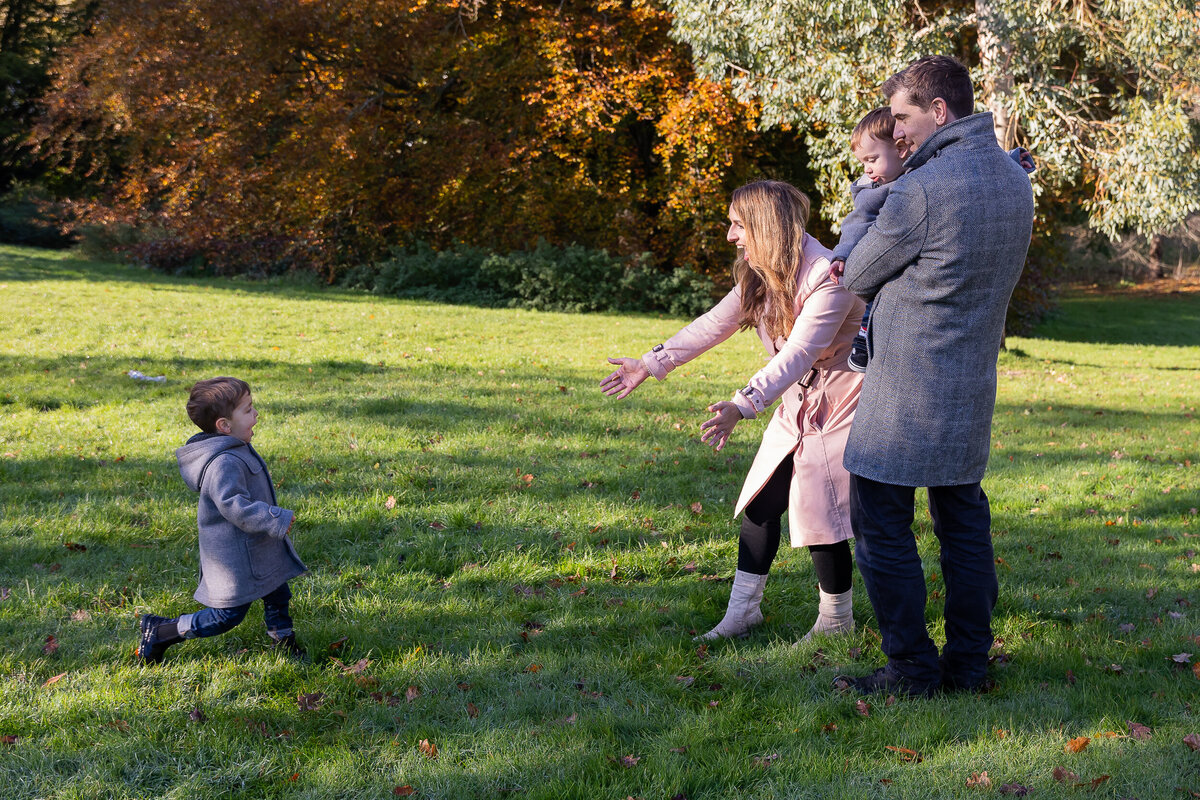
759 539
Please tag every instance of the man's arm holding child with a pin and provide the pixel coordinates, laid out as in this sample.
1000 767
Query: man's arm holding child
227 485
892 243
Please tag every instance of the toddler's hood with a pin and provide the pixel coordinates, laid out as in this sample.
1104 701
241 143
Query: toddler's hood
194 456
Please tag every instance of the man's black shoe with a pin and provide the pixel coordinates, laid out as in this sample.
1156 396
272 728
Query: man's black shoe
884 681
953 683
155 641
858 354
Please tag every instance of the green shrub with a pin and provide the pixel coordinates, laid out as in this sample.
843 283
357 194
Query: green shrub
547 278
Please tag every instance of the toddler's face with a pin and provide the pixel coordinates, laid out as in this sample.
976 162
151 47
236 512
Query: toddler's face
881 160
240 424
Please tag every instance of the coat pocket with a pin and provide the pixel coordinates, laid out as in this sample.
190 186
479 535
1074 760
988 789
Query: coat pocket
262 551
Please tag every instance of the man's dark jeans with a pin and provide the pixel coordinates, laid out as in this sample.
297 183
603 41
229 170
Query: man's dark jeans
886 553
212 621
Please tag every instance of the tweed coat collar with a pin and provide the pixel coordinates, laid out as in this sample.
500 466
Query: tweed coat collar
973 131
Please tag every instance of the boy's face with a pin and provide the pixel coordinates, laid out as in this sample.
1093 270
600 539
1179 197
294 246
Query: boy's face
240 424
881 160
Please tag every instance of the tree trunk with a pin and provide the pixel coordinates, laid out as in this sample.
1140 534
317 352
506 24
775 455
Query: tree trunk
1154 257
995 55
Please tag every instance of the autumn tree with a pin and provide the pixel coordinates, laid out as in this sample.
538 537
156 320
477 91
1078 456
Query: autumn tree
250 132
31 33
1106 93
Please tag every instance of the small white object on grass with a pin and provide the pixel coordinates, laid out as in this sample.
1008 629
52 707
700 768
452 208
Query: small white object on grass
137 376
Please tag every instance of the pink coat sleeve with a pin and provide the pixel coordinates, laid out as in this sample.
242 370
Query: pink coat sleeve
705 332
822 311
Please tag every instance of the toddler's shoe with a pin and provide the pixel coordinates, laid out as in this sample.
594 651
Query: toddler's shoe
289 647
155 639
858 354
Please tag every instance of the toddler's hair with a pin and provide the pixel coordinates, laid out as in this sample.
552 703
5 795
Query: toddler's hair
215 398
878 124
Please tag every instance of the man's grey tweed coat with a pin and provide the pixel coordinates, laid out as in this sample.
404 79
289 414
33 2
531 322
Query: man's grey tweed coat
940 262
245 551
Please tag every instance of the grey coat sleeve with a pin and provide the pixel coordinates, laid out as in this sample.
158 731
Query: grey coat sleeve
227 486
892 244
867 202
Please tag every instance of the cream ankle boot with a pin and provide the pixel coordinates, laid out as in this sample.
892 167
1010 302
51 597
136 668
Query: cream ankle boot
743 613
835 614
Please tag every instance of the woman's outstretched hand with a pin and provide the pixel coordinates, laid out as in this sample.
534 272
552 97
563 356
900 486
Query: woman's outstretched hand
628 375
715 431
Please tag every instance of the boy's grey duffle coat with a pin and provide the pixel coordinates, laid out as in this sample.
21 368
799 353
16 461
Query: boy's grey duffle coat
941 262
245 552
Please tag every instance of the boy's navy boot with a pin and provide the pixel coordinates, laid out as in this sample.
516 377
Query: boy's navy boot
158 633
289 647
858 354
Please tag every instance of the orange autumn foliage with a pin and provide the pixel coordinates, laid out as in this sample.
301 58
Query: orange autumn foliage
254 134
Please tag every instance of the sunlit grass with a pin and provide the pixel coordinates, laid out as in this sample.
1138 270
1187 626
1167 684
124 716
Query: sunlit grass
484 526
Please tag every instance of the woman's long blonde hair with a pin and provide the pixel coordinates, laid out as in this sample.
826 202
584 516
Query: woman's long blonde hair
774 214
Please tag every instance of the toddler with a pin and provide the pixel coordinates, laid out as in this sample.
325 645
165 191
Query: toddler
245 552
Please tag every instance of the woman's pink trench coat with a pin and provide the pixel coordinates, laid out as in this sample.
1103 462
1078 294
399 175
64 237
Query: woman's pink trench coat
810 425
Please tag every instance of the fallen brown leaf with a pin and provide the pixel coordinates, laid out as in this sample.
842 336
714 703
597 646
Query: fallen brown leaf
196 715
1095 782
979 780
337 644
1014 789
428 749
1192 741
82 615
8 739
905 753
1138 730
472 710
357 668
412 693
390 503
55 679
310 702
1062 774
534 668
765 761
51 645
404 791
679 750
862 707
1077 745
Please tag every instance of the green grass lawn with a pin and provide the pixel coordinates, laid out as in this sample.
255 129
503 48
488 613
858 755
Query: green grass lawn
509 567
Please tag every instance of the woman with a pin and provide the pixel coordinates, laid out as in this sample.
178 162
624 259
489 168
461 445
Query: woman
807 323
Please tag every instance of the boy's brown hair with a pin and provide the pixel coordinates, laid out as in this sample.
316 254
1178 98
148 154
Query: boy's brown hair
877 124
215 398
931 77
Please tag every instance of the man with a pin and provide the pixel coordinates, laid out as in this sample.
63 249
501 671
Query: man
940 263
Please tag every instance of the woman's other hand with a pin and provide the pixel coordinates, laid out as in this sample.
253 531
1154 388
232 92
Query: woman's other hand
628 375
715 431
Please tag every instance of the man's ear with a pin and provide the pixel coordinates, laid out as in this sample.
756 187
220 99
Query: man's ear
941 112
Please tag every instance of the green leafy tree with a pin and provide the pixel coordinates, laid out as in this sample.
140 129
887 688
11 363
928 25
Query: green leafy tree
1106 93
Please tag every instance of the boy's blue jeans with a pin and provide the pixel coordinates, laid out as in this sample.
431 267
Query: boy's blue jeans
213 621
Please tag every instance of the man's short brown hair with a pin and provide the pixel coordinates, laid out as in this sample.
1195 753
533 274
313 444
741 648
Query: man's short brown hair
878 124
931 77
215 398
